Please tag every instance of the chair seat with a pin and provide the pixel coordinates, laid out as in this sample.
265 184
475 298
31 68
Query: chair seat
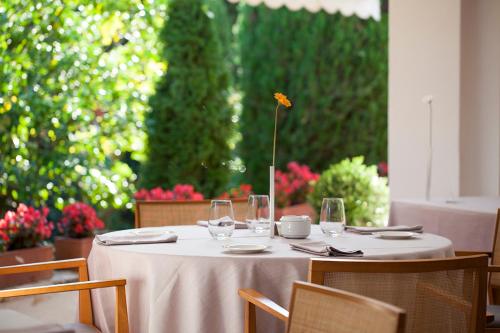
16 322
495 311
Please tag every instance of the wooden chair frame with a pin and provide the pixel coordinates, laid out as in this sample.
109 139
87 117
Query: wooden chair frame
83 287
490 254
254 299
143 204
318 267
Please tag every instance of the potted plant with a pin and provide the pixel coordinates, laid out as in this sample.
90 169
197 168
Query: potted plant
292 189
78 224
23 233
240 192
180 192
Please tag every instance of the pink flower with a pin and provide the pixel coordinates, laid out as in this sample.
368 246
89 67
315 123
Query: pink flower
383 169
293 186
197 196
26 226
143 194
240 192
179 192
156 193
79 220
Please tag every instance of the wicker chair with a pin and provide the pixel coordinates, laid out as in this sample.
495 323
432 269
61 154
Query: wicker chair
25 323
165 213
319 309
439 295
493 308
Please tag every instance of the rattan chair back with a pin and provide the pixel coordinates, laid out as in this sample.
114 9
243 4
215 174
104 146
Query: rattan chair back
316 308
442 295
166 213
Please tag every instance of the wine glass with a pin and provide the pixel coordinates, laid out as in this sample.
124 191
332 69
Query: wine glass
258 213
221 219
332 217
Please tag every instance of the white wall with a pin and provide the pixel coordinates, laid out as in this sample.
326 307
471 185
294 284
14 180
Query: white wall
446 48
424 58
480 98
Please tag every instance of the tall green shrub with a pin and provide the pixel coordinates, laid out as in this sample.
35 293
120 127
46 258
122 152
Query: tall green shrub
334 69
190 121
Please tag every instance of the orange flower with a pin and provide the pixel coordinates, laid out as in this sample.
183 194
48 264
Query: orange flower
282 99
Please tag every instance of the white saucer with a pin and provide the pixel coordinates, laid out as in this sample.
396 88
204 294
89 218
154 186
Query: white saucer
244 248
396 235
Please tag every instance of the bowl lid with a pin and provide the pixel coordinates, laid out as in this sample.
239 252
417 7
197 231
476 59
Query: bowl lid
295 218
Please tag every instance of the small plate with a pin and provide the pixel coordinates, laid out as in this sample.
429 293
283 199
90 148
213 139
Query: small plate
396 235
245 248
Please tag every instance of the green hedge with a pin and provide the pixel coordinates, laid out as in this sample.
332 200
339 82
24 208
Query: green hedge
333 68
190 122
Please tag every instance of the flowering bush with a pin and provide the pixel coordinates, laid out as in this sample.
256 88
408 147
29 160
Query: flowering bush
292 187
79 220
24 228
180 192
243 191
383 169
365 193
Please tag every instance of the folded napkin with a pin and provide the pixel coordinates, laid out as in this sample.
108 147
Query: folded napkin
322 249
237 224
136 237
370 230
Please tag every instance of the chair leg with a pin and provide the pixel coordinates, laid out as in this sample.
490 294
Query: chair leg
250 319
121 316
85 303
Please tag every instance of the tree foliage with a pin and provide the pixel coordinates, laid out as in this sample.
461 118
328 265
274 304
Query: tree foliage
190 120
74 80
334 69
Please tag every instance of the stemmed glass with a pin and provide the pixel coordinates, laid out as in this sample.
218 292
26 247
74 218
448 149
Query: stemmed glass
258 219
332 217
221 219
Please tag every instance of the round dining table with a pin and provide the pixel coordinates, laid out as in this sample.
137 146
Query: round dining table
191 286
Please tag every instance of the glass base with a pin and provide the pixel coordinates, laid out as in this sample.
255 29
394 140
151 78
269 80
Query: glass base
221 233
261 230
332 234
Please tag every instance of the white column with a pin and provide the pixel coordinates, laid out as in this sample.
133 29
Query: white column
424 58
450 49
480 98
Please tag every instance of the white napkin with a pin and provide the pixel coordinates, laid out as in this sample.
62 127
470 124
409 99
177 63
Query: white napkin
136 236
321 248
370 230
237 224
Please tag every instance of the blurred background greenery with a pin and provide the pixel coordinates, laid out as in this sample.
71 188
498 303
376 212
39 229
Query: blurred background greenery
83 84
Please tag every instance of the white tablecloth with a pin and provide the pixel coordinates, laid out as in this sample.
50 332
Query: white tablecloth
469 222
191 286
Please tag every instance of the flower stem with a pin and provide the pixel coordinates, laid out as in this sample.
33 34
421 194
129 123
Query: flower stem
275 129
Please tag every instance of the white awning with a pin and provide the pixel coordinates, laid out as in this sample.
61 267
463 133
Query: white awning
361 8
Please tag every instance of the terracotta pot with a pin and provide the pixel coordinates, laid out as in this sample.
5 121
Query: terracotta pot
69 248
25 256
300 209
